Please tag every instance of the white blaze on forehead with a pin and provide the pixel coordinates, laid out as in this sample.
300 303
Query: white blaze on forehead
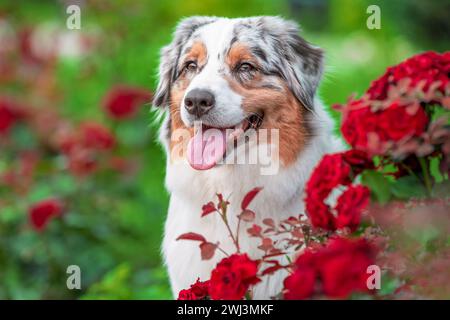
217 37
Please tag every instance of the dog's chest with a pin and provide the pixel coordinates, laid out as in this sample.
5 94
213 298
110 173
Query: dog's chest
190 190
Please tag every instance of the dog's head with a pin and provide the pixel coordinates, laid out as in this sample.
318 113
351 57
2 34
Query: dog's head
248 73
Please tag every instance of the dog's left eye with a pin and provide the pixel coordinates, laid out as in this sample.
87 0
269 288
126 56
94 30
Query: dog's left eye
245 67
191 66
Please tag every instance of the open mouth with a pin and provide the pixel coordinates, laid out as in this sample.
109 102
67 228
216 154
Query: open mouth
253 121
209 144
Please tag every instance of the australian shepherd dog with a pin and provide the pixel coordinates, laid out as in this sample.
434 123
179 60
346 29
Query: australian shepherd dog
223 82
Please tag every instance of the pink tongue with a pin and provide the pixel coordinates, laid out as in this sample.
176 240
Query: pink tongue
206 148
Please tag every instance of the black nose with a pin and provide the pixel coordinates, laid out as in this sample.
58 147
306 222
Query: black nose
199 101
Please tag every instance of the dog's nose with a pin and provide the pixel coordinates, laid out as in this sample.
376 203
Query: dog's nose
199 101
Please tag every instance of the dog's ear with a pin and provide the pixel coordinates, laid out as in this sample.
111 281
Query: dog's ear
307 67
301 64
170 55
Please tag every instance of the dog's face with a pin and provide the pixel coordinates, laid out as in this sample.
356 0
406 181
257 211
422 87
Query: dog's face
240 74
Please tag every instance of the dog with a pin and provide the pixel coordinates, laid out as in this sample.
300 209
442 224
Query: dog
238 74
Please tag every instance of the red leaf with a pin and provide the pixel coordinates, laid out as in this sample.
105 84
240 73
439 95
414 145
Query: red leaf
249 197
269 230
266 244
269 222
274 253
275 262
297 233
292 221
222 204
207 250
208 208
247 215
271 270
192 236
446 102
254 231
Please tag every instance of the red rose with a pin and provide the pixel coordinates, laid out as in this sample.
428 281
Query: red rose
232 277
387 126
343 266
186 294
357 125
198 291
397 123
10 113
322 182
82 161
427 67
95 135
41 212
350 205
340 267
83 146
358 160
331 172
300 284
320 215
374 123
123 101
7 119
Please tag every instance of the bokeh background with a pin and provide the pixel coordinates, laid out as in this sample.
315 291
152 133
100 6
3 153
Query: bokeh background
55 83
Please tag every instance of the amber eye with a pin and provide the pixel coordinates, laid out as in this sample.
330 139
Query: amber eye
245 67
191 66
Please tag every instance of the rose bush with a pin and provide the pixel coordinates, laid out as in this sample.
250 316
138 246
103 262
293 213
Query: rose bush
400 137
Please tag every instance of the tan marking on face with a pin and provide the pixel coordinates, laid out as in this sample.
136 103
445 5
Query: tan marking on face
281 110
196 53
176 96
239 52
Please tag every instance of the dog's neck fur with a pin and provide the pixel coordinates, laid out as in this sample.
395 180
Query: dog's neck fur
281 197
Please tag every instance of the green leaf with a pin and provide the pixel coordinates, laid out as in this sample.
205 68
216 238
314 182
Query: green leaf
65 184
378 184
388 285
114 285
408 187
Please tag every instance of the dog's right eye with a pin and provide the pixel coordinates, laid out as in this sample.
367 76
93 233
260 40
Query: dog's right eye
191 66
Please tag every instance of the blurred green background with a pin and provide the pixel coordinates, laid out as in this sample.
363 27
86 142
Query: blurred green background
112 227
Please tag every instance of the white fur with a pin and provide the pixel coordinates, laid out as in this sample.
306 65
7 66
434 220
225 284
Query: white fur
281 197
227 111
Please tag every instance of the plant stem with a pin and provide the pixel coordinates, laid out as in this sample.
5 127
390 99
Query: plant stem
225 220
237 233
426 175
223 251
410 171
